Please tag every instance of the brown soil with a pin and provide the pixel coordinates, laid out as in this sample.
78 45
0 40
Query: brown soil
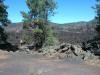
25 64
3 55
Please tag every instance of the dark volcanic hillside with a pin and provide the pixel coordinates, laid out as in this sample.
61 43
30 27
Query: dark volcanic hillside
71 32
14 32
75 32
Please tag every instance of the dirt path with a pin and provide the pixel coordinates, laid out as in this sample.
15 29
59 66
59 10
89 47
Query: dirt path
27 64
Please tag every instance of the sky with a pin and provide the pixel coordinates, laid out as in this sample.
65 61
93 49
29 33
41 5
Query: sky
67 10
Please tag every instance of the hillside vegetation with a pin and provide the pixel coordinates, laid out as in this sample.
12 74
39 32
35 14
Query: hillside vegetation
70 32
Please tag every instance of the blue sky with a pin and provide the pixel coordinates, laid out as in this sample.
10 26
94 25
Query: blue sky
67 10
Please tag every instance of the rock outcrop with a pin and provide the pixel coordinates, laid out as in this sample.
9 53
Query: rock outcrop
67 50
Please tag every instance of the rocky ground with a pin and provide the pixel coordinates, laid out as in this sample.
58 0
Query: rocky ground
66 50
23 63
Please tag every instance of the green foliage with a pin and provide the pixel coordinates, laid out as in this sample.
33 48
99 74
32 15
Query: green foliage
3 22
98 17
93 45
51 38
26 37
39 11
3 36
50 41
26 20
3 14
26 25
40 8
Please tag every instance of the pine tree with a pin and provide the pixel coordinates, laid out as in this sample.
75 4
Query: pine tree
3 14
98 17
40 8
3 21
94 44
37 17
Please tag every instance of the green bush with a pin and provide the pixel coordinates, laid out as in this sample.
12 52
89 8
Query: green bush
27 37
51 38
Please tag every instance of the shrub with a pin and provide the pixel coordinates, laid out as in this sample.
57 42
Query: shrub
27 37
51 38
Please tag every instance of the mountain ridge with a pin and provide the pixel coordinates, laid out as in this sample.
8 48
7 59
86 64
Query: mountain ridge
76 32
